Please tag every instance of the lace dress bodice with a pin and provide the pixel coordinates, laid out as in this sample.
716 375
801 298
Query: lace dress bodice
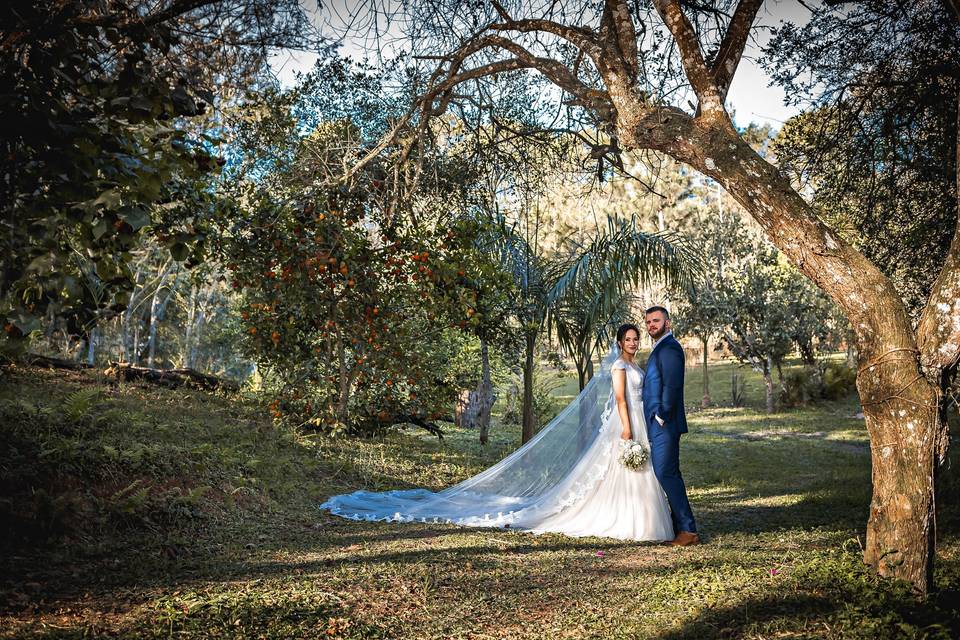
634 380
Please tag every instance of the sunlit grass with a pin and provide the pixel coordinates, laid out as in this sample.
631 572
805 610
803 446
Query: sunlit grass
781 500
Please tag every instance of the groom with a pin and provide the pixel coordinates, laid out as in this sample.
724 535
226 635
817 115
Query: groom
666 420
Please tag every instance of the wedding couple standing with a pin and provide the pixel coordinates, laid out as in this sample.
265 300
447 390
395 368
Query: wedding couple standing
569 478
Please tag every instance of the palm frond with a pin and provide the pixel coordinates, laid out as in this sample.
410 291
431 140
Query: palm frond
598 279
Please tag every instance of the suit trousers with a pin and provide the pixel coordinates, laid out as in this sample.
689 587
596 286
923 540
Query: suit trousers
665 456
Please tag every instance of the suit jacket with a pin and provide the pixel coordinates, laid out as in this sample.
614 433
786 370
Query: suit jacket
663 387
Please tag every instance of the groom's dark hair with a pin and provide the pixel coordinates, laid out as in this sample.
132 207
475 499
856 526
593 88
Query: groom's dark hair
663 310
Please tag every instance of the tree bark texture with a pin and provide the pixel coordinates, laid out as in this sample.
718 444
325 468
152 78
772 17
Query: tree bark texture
467 412
529 420
172 378
486 393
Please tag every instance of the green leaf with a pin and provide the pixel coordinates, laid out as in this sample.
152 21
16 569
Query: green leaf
100 228
109 199
136 217
42 263
107 269
179 251
141 103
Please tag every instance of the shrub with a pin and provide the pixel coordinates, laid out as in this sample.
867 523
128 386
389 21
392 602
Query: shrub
545 406
799 387
829 381
351 324
837 380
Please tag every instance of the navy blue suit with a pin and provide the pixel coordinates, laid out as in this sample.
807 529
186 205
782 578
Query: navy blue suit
663 396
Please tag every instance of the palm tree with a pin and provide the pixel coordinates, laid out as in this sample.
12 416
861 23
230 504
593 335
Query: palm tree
578 292
595 291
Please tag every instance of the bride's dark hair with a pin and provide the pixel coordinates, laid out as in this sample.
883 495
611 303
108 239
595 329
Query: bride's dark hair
622 331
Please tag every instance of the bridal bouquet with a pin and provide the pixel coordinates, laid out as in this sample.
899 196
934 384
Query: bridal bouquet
633 455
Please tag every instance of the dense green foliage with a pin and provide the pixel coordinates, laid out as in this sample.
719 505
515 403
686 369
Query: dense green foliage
349 325
878 147
104 141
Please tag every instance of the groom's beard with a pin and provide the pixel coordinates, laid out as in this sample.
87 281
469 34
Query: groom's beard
658 335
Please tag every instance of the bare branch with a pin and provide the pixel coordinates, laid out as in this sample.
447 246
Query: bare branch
174 10
692 57
617 13
442 88
731 49
577 37
555 71
501 11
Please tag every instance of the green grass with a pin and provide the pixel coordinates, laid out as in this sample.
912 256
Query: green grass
782 501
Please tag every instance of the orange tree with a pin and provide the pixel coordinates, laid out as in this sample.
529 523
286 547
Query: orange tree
352 325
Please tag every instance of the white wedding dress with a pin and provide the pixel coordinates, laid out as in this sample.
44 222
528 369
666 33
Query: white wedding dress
568 479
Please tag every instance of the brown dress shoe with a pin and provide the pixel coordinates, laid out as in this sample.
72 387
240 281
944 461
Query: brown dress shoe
685 539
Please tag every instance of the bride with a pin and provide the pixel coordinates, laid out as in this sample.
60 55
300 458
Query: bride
567 479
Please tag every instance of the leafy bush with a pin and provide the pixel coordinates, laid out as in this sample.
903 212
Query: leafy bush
545 405
829 381
838 380
738 389
799 387
350 323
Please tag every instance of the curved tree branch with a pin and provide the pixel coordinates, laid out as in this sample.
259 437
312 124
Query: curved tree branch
575 36
616 14
691 55
724 66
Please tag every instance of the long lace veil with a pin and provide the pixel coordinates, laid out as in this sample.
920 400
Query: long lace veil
533 481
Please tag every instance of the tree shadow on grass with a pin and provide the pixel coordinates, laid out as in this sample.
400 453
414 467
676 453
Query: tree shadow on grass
772 614
840 612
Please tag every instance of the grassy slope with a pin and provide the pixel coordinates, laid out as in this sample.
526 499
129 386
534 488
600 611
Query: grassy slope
221 536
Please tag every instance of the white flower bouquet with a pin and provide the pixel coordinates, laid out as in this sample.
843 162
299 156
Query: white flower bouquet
633 455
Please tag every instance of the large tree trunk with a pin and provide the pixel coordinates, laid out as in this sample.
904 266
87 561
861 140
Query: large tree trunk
467 411
529 420
899 402
902 419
